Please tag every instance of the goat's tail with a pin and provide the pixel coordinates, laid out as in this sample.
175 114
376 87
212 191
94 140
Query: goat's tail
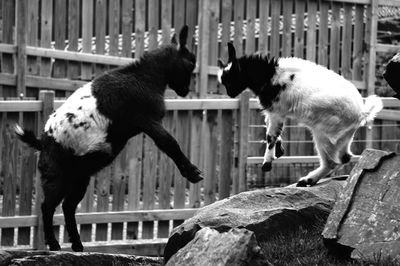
373 104
28 137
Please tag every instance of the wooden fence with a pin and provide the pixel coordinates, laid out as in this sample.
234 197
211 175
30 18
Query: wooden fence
60 45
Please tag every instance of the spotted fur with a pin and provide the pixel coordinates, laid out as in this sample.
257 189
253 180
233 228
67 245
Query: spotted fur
329 105
90 129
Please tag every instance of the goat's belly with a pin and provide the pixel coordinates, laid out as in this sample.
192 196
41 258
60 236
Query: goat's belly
78 125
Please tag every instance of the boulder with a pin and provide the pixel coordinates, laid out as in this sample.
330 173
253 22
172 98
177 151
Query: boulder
365 222
263 212
50 258
209 247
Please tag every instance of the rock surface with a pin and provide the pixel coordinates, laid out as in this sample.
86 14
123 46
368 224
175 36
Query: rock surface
263 212
209 247
50 258
366 219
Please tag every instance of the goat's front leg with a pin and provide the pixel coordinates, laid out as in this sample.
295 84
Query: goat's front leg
274 147
170 146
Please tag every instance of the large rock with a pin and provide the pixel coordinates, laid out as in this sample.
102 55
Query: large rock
264 212
365 222
50 258
209 247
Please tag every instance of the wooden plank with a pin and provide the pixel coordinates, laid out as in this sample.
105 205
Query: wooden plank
251 22
213 38
21 40
323 33
203 47
127 27
226 18
106 217
113 26
103 194
153 11
311 49
166 20
191 21
32 39
347 39
149 182
28 170
210 159
120 175
87 35
166 175
181 119
46 35
73 71
100 32
7 62
87 206
287 28
275 35
226 128
334 51
238 15
140 20
387 48
299 30
358 43
179 15
292 159
243 139
235 170
135 150
263 38
60 22
195 154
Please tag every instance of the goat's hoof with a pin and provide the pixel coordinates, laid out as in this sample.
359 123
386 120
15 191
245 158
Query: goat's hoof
345 158
279 150
77 246
193 174
267 166
54 246
305 182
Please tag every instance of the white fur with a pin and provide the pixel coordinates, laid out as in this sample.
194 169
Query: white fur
325 102
82 139
221 71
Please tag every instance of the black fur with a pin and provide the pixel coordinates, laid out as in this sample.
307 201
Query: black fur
391 75
131 97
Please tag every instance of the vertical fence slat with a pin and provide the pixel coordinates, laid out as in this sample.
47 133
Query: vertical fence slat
32 66
226 128
166 174
323 33
140 16
287 28
21 37
334 51
153 11
118 192
60 21
275 35
135 150
113 26
251 23
166 19
238 11
243 139
127 26
87 35
299 31
46 35
213 44
191 21
100 32
358 42
204 30
347 41
149 181
264 15
195 155
103 194
226 18
7 61
312 30
73 35
210 143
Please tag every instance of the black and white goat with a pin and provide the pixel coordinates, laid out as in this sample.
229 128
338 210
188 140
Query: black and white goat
89 130
325 102
391 72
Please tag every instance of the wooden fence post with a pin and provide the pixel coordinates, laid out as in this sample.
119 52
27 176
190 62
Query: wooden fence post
373 30
47 98
204 22
243 138
21 46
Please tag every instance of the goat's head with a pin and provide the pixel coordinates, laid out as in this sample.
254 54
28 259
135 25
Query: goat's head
181 65
230 74
391 72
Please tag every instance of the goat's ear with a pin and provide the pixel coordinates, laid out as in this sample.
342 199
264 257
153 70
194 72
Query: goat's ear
183 35
221 63
173 39
231 52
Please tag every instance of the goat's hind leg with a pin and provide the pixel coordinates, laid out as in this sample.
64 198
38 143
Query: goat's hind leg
74 195
170 146
274 147
53 190
328 153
